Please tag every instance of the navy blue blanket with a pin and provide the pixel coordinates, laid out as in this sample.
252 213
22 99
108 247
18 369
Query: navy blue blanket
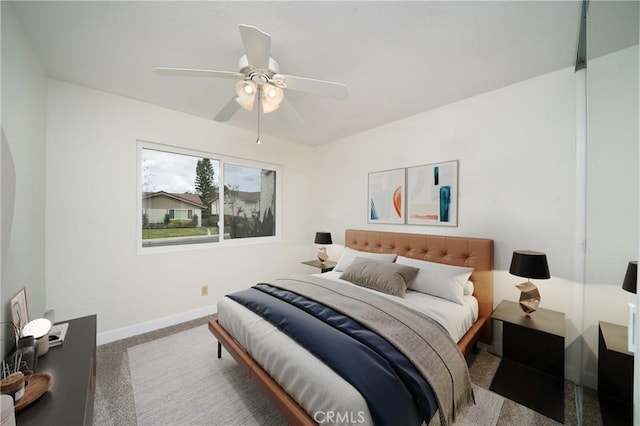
396 393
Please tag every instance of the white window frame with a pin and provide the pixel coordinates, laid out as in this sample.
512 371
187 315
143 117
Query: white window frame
222 159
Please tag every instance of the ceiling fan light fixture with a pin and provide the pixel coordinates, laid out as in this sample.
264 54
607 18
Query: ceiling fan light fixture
246 103
246 91
266 108
271 97
246 88
272 92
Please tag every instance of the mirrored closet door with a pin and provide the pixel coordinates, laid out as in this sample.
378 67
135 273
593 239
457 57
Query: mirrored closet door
612 214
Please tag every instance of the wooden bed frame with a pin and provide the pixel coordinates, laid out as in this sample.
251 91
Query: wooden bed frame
460 251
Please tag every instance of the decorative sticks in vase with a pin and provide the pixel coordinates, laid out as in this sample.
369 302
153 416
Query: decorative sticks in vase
12 382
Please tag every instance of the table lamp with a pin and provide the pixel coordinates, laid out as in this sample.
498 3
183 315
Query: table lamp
630 284
529 264
323 238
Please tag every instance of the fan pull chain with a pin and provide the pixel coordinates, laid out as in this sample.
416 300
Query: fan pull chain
259 112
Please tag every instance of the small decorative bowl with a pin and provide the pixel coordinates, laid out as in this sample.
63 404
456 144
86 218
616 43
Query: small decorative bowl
13 385
39 329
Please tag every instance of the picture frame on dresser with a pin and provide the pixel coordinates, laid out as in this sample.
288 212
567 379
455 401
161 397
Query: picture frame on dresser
19 309
386 196
432 194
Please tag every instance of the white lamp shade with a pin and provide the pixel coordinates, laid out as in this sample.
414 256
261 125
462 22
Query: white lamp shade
246 91
271 97
246 88
267 108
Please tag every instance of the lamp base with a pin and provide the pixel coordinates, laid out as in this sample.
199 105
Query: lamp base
529 297
631 328
322 254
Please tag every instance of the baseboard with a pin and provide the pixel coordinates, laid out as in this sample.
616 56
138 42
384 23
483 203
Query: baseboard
590 380
145 327
570 373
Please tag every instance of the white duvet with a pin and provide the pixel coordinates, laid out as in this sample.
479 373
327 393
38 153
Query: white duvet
456 319
327 397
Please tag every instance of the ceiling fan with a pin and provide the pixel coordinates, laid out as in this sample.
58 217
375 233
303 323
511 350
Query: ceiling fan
259 77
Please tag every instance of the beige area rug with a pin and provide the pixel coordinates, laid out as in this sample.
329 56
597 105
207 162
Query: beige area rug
179 380
485 412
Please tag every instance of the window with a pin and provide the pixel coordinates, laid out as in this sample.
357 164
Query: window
180 214
249 201
183 203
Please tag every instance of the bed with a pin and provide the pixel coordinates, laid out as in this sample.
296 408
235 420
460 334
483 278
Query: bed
476 253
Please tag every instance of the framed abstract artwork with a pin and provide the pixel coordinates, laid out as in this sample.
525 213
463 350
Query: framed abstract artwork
386 196
432 194
19 309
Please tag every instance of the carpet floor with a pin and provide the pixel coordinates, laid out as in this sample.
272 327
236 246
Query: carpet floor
172 376
204 390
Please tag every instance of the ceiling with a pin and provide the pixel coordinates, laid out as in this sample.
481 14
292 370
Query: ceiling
397 58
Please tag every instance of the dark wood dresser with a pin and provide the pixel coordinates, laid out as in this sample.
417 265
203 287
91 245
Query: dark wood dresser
72 366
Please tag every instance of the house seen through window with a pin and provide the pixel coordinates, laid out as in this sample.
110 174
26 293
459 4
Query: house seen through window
184 202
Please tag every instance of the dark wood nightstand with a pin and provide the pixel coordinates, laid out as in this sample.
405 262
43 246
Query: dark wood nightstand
531 371
615 375
324 267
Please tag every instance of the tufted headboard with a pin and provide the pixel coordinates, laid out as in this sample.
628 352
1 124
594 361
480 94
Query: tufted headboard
476 253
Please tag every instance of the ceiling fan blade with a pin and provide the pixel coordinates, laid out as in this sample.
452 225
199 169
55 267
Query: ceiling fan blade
316 87
228 110
290 114
257 46
197 73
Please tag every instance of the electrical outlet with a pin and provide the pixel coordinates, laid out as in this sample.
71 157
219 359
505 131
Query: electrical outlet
204 290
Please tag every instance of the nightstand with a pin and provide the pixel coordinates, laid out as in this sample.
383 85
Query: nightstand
615 375
531 371
324 267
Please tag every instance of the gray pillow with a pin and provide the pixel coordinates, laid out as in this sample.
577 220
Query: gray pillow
390 278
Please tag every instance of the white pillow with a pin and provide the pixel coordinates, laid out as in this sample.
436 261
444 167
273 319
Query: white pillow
469 288
349 254
438 279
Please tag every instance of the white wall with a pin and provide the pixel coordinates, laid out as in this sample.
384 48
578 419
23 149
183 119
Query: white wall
612 194
92 265
24 94
516 152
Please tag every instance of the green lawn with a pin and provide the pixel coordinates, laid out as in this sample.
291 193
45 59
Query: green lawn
148 234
